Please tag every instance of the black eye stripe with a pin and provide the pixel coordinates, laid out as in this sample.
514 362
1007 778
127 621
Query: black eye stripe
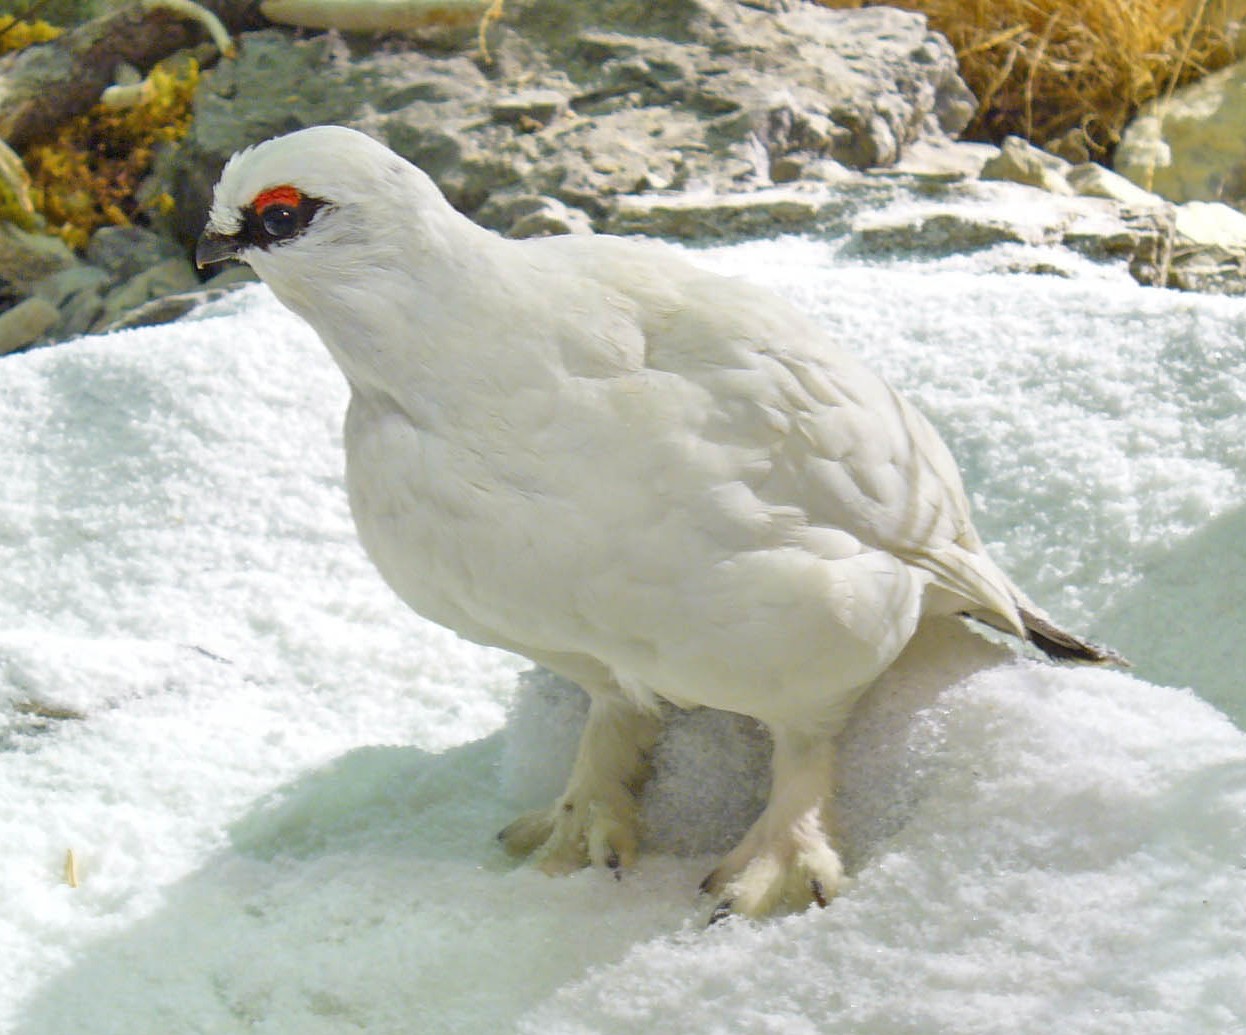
277 222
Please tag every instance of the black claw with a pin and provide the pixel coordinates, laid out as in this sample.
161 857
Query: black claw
705 885
819 894
721 912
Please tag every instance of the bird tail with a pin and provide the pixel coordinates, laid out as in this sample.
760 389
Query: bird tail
1058 644
1065 646
971 575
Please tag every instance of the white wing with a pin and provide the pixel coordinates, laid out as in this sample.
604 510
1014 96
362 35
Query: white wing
826 438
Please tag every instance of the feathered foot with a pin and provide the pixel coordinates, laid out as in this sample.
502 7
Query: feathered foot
786 859
595 821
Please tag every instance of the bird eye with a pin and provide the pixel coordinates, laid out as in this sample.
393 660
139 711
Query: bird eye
280 221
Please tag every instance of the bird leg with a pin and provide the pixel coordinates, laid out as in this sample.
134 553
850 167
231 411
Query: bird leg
595 821
786 858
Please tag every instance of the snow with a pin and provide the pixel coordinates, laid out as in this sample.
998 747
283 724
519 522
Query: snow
281 788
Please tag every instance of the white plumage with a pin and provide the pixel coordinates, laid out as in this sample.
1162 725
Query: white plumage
657 482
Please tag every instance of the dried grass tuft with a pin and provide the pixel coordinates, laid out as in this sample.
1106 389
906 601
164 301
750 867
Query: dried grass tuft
1071 73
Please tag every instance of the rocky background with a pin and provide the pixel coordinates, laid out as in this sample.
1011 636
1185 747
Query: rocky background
688 119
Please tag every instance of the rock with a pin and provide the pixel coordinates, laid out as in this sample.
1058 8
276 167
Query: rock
173 276
585 103
1022 162
950 160
530 109
60 288
551 218
167 308
979 216
1209 251
25 324
1191 147
232 276
714 215
78 295
27 257
1211 224
936 230
1209 270
125 251
1092 180
356 17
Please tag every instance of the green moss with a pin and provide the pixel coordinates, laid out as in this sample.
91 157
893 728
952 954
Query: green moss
16 33
88 175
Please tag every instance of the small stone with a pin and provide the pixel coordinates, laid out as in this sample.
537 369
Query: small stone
550 220
788 168
1022 162
539 107
25 324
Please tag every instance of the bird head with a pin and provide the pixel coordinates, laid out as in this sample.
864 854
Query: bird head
300 193
348 235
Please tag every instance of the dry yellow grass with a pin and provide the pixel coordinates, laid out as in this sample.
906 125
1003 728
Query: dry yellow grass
1072 72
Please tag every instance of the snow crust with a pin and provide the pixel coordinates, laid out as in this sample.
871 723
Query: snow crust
281 788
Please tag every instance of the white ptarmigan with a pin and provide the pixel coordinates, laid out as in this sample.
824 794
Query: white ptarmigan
652 480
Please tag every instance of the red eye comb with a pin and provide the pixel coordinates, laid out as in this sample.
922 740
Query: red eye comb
288 196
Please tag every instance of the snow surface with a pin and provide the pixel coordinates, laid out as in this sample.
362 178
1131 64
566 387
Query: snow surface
280 787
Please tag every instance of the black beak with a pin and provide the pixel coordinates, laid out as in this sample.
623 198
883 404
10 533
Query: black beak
214 247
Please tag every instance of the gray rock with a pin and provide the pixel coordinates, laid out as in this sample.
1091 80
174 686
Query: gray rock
232 276
946 160
167 308
1092 180
695 119
26 323
78 295
1220 271
79 314
1212 224
26 257
125 251
710 216
585 103
529 109
1021 162
1208 249
173 276
60 288
936 231
978 216
551 218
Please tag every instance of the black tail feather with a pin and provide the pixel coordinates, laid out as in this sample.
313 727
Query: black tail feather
1064 646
